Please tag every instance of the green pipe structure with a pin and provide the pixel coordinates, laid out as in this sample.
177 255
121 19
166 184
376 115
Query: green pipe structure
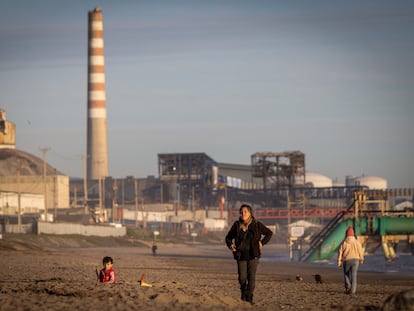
370 226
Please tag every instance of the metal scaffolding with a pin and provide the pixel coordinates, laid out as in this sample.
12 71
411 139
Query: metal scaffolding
282 172
188 178
280 169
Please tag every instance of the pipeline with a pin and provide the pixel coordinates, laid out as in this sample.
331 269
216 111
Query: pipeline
369 226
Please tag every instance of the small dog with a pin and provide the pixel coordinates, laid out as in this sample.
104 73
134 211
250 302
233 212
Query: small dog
298 278
318 278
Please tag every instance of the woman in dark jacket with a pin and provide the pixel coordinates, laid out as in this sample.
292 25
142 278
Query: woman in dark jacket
245 239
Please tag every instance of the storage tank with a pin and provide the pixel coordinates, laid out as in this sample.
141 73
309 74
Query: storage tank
371 182
318 180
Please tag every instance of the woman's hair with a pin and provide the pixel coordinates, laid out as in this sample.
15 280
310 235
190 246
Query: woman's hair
107 259
246 206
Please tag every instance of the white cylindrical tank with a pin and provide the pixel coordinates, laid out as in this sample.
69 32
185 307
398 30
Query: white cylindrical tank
318 180
372 182
214 170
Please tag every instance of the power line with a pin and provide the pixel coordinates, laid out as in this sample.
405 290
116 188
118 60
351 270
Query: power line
69 158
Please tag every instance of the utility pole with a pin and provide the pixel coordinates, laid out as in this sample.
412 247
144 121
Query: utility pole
55 196
123 200
75 197
100 199
136 202
85 184
44 151
19 206
114 201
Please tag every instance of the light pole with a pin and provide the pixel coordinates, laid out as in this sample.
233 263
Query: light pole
19 204
144 216
44 150
100 198
177 197
114 201
136 202
85 184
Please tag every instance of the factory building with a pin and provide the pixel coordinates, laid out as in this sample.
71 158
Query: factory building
27 183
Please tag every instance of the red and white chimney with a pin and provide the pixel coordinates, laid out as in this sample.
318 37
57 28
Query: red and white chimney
97 147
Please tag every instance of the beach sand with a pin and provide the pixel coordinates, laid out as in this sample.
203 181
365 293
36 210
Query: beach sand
57 273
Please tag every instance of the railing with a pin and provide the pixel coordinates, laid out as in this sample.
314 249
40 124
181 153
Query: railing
293 213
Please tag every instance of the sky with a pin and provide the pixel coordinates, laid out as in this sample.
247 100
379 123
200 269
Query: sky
332 79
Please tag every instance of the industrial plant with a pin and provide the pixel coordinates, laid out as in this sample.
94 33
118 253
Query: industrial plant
194 192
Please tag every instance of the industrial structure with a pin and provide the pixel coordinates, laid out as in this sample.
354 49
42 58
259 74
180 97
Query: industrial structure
7 132
97 148
280 173
189 177
375 222
195 181
28 185
279 170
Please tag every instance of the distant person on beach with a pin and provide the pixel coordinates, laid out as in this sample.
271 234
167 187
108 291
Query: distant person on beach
245 239
350 256
107 273
154 249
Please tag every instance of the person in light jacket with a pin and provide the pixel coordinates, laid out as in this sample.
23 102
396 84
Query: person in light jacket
350 256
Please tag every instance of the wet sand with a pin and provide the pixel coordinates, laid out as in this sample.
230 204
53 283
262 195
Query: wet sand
183 277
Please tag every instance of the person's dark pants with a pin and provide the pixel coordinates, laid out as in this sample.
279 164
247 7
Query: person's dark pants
247 277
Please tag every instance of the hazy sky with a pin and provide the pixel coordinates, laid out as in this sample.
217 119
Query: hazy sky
333 79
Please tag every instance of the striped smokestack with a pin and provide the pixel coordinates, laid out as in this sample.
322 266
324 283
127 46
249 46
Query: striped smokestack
97 147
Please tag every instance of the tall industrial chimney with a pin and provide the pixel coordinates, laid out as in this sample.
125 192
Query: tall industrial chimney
97 148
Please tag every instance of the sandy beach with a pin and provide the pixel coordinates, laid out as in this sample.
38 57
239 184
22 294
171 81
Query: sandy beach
58 273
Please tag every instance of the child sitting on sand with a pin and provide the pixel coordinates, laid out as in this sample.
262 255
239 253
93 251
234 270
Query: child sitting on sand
107 274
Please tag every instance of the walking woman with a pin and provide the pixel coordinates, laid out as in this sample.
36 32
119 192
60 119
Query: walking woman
350 256
245 239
